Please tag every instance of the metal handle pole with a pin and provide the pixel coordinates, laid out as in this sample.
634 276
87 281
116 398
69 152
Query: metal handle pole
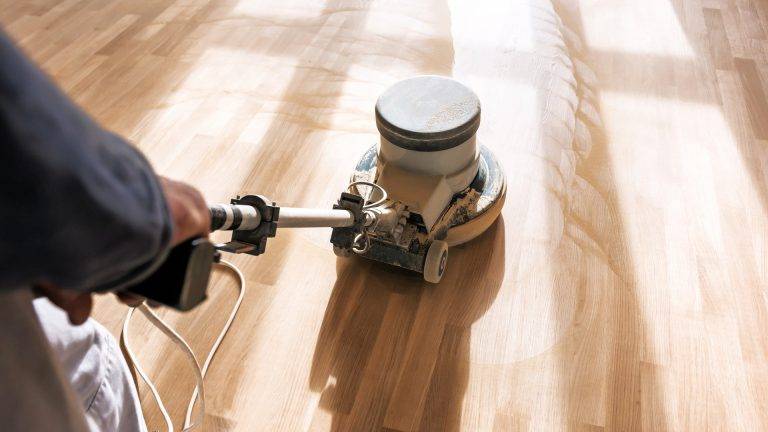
294 217
227 217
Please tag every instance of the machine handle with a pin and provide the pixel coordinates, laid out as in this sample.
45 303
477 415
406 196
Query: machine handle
181 281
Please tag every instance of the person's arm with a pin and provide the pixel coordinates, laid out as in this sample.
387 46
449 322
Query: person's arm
80 209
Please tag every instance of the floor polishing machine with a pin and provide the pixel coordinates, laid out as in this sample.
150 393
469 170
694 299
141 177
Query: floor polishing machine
426 186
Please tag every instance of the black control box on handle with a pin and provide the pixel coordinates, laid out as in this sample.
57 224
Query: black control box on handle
181 281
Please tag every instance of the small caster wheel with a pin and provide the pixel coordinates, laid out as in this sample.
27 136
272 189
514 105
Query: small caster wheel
436 261
341 252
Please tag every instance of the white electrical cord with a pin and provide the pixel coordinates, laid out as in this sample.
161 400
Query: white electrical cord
367 204
178 340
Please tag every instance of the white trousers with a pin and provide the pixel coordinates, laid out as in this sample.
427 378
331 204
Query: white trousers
94 366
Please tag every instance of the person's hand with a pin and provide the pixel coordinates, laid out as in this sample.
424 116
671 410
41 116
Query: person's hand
189 218
76 304
189 212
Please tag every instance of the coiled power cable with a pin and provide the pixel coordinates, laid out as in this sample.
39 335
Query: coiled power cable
184 346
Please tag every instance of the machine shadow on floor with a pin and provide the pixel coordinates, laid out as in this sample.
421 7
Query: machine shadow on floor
380 321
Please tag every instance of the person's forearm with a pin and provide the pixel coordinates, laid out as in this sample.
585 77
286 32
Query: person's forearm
80 208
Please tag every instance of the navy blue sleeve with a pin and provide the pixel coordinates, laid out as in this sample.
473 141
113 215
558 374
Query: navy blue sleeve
79 206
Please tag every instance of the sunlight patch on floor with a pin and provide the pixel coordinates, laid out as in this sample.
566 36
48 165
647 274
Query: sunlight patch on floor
654 28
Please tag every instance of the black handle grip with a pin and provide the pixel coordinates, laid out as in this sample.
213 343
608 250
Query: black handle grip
181 282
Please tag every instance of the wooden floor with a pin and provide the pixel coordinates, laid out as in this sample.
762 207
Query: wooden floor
632 298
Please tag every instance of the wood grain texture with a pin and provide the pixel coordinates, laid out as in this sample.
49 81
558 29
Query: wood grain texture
623 289
754 95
